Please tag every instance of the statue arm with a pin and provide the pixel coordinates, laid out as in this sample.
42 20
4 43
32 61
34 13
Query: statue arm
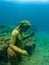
12 45
27 36
17 49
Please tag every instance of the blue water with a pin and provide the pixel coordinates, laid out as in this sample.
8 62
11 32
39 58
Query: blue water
38 14
11 13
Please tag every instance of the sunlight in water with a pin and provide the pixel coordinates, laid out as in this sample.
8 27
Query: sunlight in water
28 0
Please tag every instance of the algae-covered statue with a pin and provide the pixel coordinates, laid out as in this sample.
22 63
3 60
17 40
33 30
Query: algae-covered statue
16 48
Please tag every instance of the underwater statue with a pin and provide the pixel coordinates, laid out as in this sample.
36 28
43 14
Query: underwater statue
13 49
16 49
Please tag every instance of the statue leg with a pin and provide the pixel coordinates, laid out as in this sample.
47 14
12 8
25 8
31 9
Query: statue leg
14 58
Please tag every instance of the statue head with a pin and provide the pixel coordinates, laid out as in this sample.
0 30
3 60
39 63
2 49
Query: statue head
24 25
